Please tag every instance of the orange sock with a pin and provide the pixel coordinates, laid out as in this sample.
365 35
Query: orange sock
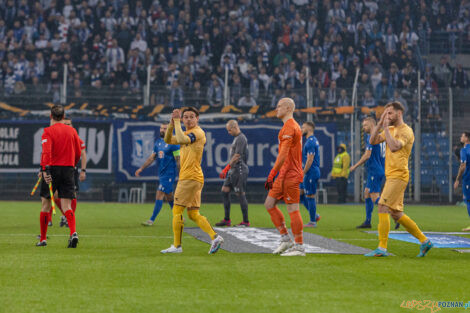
297 226
278 220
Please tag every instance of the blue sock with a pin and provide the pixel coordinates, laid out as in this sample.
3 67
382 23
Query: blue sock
156 209
377 201
312 209
171 204
304 201
468 207
369 209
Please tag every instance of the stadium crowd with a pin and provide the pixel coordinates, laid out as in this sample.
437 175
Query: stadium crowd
267 45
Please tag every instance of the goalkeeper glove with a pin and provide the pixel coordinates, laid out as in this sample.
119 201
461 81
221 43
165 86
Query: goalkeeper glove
224 172
270 180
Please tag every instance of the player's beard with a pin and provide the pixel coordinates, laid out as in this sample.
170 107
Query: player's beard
162 134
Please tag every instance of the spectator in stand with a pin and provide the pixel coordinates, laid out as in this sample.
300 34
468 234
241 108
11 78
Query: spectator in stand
390 40
332 96
299 99
459 77
114 56
443 72
236 89
368 100
433 107
344 80
247 101
383 91
375 78
254 85
454 28
215 93
343 101
321 100
176 95
278 95
268 48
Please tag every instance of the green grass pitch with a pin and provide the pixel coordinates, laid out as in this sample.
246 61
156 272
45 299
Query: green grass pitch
118 267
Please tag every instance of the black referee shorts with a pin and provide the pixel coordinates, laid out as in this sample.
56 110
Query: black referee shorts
63 180
236 179
76 177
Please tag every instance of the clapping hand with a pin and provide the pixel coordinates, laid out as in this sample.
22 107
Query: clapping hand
384 121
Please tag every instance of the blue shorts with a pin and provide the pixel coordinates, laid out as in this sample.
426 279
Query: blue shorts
466 190
166 184
309 185
374 183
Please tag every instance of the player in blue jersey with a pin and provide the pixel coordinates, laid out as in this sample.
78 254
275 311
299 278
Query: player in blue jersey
311 162
464 171
374 158
168 166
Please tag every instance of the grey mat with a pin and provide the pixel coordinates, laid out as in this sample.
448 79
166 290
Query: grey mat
265 240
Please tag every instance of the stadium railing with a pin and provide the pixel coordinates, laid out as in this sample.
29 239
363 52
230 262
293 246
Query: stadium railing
441 119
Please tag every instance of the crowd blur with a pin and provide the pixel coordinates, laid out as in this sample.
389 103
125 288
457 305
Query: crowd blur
266 46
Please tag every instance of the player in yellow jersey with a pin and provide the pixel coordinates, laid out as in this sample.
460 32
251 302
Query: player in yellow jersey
191 178
399 139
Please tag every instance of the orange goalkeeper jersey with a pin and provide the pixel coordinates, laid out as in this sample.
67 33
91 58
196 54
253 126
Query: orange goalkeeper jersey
290 137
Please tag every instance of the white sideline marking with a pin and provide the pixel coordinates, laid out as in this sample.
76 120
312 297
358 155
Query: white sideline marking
143 236
358 239
426 232
265 239
103 236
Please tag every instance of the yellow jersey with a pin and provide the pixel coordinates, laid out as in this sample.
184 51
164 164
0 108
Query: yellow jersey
396 163
190 152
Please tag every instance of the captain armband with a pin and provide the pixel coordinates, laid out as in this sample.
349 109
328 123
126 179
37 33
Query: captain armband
192 137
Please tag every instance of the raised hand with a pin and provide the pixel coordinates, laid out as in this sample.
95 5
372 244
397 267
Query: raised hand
382 118
176 114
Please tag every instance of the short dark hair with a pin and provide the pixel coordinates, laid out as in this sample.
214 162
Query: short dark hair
191 109
57 112
311 124
396 105
467 134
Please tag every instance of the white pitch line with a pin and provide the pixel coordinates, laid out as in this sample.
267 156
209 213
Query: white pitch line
358 239
103 236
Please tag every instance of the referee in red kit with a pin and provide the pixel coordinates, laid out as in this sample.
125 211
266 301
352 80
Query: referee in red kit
61 150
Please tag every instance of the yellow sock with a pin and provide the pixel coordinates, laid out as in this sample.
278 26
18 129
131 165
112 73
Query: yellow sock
202 222
412 228
178 224
384 229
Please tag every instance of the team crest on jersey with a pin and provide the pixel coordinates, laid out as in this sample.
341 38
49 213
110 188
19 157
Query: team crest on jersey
142 146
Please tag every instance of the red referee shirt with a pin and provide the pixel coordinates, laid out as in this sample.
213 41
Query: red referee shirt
61 146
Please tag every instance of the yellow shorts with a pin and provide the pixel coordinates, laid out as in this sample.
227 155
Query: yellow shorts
188 193
393 193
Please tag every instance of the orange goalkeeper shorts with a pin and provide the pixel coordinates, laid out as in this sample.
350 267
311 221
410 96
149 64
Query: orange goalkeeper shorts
286 189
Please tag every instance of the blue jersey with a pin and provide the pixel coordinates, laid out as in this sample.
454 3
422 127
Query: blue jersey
311 147
465 158
376 163
166 158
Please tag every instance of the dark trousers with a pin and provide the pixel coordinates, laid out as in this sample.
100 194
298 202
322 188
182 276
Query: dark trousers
342 188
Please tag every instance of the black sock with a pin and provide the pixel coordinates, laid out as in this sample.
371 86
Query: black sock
244 207
226 205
